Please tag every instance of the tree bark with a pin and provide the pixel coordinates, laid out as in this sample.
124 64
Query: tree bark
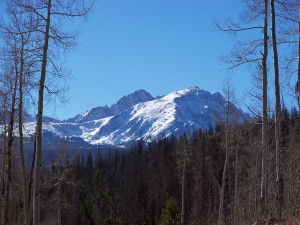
23 166
37 167
264 111
4 151
221 219
236 185
298 82
183 189
278 135
30 178
8 155
60 200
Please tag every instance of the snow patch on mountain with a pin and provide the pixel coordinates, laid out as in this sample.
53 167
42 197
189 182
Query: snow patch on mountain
140 116
104 111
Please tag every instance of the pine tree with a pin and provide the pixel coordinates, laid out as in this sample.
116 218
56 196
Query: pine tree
170 214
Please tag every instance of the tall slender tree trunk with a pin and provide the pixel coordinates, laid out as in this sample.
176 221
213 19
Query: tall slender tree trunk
183 189
236 186
278 135
30 178
37 167
4 152
156 203
59 210
221 219
8 155
298 82
23 166
264 112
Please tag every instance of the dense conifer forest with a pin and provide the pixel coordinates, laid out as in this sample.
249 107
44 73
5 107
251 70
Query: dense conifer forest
137 186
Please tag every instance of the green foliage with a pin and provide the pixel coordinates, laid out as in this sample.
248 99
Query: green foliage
170 214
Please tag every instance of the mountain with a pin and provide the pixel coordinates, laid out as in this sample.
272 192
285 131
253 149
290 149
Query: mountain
104 111
141 116
130 100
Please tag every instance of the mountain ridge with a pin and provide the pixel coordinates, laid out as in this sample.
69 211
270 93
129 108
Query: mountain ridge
141 116
123 103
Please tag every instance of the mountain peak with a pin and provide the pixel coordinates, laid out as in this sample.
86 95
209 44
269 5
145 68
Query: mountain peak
193 88
138 115
191 91
130 100
122 104
138 95
140 91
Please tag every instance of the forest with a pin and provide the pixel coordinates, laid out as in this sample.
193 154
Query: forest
172 181
232 173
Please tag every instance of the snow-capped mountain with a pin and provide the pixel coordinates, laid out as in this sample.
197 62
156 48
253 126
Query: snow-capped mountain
104 111
141 116
130 100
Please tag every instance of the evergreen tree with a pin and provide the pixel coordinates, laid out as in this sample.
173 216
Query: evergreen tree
170 214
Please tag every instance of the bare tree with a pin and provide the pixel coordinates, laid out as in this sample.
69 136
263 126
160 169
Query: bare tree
60 178
229 94
182 161
12 82
288 36
4 112
264 108
18 29
254 52
50 14
278 135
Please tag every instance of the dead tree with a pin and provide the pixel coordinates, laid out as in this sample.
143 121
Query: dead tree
12 81
278 135
254 52
183 159
50 14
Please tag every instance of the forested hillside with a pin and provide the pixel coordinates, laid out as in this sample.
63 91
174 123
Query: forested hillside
133 187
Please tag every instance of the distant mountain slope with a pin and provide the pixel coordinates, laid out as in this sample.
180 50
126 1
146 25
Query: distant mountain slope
140 116
104 111
130 100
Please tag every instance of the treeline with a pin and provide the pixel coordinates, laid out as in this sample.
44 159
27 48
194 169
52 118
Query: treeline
131 187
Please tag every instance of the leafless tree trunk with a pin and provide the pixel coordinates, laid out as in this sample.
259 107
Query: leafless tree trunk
183 187
236 185
221 219
8 151
21 142
48 33
38 161
183 154
59 210
30 178
278 135
298 88
19 29
264 110
4 116
182 161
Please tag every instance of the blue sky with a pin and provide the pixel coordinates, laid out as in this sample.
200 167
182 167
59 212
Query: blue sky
157 45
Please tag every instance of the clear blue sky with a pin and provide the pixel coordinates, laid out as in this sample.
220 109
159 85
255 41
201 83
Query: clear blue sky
157 45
